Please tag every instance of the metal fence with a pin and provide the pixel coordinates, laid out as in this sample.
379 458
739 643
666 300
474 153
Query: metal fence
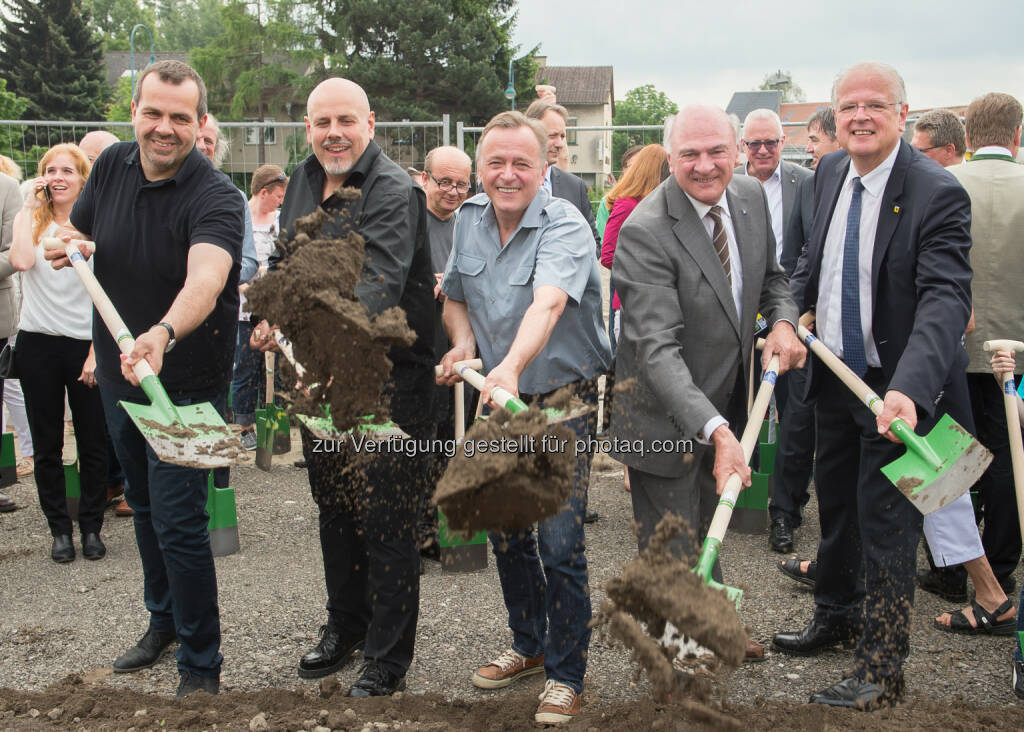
249 144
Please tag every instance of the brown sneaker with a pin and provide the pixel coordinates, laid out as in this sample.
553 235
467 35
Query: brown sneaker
558 704
505 669
123 509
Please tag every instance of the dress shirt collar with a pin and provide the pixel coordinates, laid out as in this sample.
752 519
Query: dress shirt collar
874 182
776 174
703 208
992 150
532 217
547 177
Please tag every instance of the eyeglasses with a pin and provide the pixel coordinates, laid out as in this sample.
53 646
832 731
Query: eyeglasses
873 109
926 149
447 185
768 145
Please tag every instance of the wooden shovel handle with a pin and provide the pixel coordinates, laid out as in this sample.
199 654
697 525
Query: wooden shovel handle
835 364
286 348
1012 422
474 363
268 365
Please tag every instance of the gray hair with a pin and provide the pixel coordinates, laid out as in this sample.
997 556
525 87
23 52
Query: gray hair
766 114
220 150
539 107
943 128
896 86
824 118
734 120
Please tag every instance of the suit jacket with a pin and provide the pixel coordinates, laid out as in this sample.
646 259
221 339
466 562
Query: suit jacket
11 202
996 188
574 190
682 341
797 210
921 274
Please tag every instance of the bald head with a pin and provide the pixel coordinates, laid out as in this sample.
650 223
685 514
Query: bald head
703 152
96 142
445 179
339 126
703 116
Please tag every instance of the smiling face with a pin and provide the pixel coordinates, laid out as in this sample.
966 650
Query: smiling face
869 117
339 126
165 124
763 142
818 144
704 153
510 169
555 125
448 169
63 179
206 140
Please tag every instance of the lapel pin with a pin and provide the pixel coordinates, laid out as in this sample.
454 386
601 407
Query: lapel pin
895 209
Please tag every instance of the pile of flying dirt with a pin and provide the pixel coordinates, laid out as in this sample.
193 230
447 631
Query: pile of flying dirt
311 297
511 471
656 588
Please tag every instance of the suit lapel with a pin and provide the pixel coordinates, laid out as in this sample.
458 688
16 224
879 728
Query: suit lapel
830 189
556 188
889 214
746 240
788 190
693 237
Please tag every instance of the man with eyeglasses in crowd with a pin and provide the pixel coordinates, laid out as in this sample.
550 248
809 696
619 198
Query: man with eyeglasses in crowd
445 180
940 135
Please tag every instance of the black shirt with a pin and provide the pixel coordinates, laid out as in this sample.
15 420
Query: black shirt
143 231
390 216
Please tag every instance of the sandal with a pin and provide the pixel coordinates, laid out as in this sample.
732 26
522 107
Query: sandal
791 568
987 623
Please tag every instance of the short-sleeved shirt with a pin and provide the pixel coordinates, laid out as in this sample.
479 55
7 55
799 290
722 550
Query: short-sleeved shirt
390 216
143 232
552 246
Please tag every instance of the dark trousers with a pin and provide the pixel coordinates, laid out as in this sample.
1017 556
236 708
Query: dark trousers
179 578
869 530
997 503
48 365
794 457
368 514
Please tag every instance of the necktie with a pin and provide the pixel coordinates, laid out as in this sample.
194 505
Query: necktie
853 336
720 241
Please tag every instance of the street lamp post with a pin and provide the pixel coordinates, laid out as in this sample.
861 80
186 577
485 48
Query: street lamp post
131 50
510 90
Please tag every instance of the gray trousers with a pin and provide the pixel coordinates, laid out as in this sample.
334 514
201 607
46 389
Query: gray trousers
691 496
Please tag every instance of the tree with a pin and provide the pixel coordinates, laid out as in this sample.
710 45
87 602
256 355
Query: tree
643 105
419 60
50 57
11 107
113 21
783 81
183 25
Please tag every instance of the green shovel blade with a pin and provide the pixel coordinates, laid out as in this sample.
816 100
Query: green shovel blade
323 427
266 427
939 467
200 439
705 563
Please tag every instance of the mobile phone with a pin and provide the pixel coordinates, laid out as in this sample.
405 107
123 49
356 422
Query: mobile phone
46 193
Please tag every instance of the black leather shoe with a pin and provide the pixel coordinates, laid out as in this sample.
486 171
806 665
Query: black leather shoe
862 695
190 682
1018 679
590 517
781 536
816 637
63 549
93 547
376 680
145 653
946 584
332 652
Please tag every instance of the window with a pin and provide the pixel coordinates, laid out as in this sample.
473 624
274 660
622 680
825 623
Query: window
570 131
252 134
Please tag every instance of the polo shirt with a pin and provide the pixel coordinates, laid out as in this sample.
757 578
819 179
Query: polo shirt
553 245
143 232
390 216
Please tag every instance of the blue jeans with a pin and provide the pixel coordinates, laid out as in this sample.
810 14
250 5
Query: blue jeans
247 378
543 577
179 579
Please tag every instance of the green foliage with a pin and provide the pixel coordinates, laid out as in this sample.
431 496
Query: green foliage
783 81
120 109
643 105
183 25
51 57
11 107
114 20
420 60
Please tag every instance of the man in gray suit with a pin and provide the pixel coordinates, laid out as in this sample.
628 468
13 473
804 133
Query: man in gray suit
695 264
11 202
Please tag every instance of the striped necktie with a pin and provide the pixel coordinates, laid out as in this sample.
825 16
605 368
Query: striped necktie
853 336
720 241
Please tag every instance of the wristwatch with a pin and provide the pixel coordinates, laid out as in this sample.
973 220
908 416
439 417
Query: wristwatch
170 331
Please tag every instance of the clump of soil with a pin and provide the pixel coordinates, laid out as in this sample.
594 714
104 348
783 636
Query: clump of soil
511 471
311 297
656 588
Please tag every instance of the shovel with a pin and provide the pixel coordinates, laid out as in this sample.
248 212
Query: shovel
266 419
938 467
193 435
1012 422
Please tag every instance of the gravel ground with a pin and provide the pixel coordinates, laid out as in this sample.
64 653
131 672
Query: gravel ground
57 620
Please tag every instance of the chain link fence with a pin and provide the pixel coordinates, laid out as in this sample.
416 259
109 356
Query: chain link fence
249 144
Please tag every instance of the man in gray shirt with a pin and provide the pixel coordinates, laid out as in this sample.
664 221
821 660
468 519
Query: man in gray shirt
524 290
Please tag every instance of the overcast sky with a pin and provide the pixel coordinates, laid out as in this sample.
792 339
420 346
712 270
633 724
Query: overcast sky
703 52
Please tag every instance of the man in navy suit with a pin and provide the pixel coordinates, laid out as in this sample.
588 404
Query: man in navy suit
887 269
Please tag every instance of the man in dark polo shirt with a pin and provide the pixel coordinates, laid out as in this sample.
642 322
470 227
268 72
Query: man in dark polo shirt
371 563
168 232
